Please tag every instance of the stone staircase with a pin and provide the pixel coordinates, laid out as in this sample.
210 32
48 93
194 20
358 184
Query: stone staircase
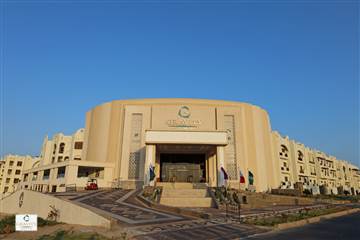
185 195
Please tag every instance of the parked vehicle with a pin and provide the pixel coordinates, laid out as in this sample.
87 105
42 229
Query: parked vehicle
92 185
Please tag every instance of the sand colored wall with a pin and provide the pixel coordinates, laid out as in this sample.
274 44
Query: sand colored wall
315 169
38 203
108 128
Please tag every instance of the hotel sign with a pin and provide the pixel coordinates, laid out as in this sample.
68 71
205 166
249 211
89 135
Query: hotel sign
184 121
26 222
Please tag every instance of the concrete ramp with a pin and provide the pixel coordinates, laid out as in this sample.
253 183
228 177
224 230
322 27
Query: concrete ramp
31 202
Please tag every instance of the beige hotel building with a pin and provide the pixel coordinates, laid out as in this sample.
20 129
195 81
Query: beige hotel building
186 140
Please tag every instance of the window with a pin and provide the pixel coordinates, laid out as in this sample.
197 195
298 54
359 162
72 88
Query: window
77 158
300 156
54 151
9 171
34 176
66 158
6 189
26 177
60 158
61 172
11 163
53 160
16 180
90 172
7 180
286 179
78 145
284 151
17 172
19 164
46 174
61 147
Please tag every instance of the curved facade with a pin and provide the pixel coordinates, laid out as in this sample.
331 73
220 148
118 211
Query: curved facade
186 140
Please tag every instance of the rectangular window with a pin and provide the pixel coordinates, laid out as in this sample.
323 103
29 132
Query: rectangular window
17 172
78 145
46 174
90 172
9 171
35 174
61 172
19 164
16 180
26 176
7 180
60 158
11 163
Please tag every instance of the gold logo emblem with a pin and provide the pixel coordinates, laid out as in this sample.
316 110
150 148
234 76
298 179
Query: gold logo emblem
184 112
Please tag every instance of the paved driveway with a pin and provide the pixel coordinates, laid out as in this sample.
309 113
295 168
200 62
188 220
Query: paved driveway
346 227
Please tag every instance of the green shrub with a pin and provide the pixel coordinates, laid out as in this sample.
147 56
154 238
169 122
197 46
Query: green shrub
7 225
62 235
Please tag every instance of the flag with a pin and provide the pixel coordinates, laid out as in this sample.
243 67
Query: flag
251 178
152 173
226 177
242 178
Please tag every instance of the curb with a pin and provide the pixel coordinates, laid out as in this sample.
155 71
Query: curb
303 222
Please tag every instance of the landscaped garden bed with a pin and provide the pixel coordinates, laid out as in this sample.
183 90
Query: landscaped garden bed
292 217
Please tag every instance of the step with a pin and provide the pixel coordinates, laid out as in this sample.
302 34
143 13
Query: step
183 193
186 202
176 185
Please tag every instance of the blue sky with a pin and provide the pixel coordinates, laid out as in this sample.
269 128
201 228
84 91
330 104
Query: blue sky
299 61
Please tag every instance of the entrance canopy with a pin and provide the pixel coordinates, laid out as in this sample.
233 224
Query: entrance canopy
186 137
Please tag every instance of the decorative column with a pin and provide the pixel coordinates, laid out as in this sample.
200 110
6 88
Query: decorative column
220 160
149 160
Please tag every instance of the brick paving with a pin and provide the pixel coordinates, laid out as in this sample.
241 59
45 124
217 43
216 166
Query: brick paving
141 222
144 223
112 203
197 230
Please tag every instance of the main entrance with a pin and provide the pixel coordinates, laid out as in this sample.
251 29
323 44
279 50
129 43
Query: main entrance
182 167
